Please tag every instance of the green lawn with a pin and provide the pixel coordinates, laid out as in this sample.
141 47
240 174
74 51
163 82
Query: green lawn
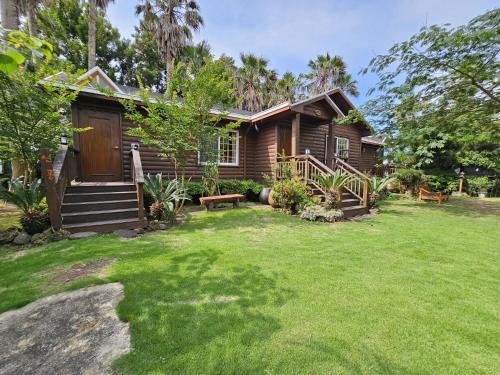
415 290
9 216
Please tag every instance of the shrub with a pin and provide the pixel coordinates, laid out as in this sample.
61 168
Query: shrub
249 188
31 201
318 213
35 221
377 189
475 185
168 196
333 184
410 178
443 183
292 195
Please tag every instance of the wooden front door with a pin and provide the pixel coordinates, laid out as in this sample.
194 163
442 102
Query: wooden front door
285 139
100 147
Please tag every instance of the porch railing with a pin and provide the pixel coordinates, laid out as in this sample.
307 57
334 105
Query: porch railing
57 174
310 168
138 180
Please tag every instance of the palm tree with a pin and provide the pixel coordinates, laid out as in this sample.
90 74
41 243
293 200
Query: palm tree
173 23
332 184
28 8
288 88
93 5
252 82
195 55
329 72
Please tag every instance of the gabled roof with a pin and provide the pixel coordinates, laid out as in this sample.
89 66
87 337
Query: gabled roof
86 83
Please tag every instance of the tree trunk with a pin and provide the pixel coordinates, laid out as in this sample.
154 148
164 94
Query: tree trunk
31 17
91 35
9 15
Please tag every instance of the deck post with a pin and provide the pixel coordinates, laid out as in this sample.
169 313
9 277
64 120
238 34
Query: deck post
329 147
51 191
296 135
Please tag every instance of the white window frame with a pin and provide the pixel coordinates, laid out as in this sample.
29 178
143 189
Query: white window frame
236 135
337 146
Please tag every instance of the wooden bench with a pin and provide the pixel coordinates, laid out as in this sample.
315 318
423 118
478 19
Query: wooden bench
427 195
228 198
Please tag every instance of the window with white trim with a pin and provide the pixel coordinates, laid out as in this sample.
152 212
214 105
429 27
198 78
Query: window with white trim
342 148
225 148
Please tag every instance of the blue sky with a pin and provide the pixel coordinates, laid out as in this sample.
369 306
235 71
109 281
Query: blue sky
291 32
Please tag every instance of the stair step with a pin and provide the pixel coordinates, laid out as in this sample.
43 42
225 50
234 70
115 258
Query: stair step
105 188
98 196
355 211
93 216
98 206
350 202
105 226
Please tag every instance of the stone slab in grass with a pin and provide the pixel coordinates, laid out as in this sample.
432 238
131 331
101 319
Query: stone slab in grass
79 235
74 332
126 233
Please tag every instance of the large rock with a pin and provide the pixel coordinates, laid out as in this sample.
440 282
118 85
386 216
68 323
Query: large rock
8 236
75 332
126 233
22 238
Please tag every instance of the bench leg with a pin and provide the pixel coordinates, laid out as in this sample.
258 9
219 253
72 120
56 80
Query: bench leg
236 203
210 206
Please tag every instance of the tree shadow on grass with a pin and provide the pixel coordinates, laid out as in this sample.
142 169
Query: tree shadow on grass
185 317
353 357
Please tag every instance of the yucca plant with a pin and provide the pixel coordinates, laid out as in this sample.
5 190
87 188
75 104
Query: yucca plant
332 185
376 185
168 196
29 199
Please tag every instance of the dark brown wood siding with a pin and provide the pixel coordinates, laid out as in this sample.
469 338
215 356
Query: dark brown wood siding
353 133
152 163
313 137
370 156
265 149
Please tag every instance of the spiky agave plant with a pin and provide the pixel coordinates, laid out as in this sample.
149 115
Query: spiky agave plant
375 186
332 185
29 200
154 186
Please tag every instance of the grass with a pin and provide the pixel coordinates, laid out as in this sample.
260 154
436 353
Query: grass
9 216
414 291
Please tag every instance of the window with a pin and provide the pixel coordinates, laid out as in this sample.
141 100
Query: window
226 148
342 148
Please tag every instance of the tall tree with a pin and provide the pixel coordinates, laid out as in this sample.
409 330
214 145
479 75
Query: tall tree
92 7
252 82
439 94
29 9
195 55
287 88
9 15
173 23
329 72
64 24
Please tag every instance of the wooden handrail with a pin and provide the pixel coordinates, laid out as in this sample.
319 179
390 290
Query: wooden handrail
57 174
351 168
138 180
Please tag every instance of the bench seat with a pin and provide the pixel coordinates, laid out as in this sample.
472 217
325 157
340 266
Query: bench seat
209 202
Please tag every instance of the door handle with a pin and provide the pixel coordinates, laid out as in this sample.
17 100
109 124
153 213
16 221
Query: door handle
116 147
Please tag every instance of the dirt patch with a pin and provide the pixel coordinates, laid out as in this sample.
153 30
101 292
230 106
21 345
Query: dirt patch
78 271
69 333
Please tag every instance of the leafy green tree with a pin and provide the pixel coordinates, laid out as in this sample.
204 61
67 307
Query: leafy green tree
32 116
176 127
143 60
64 24
196 55
329 72
438 94
287 88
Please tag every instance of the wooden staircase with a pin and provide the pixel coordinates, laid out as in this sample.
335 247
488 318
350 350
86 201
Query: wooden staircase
355 195
100 207
91 207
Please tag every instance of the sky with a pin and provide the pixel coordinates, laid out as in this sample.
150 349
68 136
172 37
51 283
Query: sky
291 32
